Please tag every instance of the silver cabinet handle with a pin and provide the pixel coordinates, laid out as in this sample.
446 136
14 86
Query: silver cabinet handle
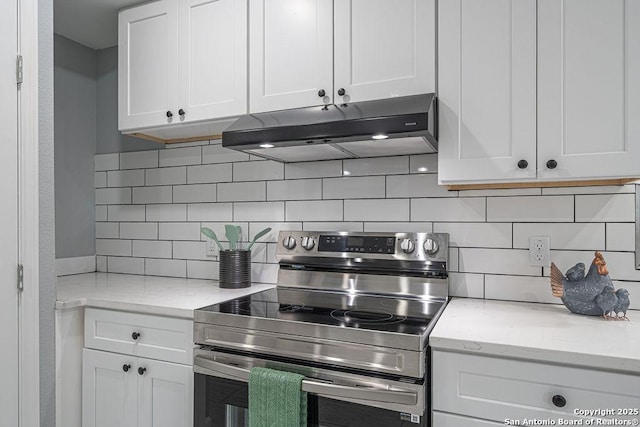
327 389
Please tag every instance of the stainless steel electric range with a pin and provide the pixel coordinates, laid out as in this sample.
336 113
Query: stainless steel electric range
351 311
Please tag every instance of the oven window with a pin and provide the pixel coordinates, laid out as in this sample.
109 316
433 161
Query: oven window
223 403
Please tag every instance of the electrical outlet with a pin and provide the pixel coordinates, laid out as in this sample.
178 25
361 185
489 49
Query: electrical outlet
211 248
539 251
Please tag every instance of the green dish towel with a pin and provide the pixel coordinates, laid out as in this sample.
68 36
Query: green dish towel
276 399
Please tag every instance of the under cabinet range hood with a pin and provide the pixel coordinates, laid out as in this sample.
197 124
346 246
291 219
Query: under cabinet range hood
386 127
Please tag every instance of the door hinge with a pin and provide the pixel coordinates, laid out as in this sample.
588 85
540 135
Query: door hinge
19 73
20 277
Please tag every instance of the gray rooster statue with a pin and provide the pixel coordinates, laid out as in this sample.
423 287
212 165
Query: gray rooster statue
592 294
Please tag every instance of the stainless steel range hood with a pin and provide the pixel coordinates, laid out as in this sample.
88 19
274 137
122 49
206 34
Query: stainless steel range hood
401 126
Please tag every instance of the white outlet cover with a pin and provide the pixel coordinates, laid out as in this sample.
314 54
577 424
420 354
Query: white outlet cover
539 251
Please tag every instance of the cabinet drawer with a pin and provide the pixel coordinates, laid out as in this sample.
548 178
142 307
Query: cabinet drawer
156 337
498 389
440 419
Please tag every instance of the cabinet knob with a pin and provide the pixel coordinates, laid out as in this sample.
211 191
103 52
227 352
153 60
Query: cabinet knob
126 368
182 112
169 114
141 370
522 164
551 164
341 91
559 401
135 335
321 93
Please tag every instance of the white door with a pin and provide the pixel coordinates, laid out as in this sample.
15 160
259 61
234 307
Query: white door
487 90
588 88
291 54
9 360
165 394
109 389
147 65
212 58
384 48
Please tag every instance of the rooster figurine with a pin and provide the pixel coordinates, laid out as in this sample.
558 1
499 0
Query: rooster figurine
592 294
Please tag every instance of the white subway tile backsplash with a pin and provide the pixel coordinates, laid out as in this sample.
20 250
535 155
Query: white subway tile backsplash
151 249
333 226
139 160
147 195
421 185
264 273
448 209
476 234
167 212
276 227
100 179
166 176
530 209
497 261
242 191
264 170
210 212
125 213
101 213
107 230
215 153
376 210
502 192
314 210
101 264
376 166
601 189
258 211
128 178
370 187
259 252
190 250
466 285
620 237
113 196
519 288
194 193
139 230
180 156
179 231
423 163
297 189
165 267
125 265
394 227
454 259
605 208
208 174
563 235
634 289
207 270
113 247
107 162
313 169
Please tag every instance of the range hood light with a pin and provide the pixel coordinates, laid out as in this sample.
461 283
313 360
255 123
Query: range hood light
422 169
379 136
346 173
266 145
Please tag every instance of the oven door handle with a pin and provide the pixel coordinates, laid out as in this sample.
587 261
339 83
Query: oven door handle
404 397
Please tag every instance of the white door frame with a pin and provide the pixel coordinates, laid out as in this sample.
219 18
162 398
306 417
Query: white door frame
28 234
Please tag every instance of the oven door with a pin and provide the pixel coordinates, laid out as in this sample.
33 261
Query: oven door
335 399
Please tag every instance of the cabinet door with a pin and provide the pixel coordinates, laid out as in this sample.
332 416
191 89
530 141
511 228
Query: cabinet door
109 394
212 58
487 90
588 88
442 419
383 48
291 54
147 65
165 394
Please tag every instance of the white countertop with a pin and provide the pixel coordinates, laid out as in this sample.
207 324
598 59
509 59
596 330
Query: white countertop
542 332
144 294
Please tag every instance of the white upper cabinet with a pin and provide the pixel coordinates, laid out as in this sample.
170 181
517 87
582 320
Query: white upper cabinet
182 62
588 88
486 89
314 52
577 119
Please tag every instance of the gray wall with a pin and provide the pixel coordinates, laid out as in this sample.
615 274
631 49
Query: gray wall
46 213
75 145
109 139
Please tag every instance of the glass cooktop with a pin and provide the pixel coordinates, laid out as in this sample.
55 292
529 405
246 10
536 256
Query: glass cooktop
368 312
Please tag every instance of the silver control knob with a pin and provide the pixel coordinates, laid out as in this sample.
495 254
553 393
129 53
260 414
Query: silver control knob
430 246
407 246
307 242
289 242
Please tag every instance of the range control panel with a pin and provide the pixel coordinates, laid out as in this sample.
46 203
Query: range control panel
359 244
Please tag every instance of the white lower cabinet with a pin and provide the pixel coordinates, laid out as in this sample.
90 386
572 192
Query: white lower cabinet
500 389
440 419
